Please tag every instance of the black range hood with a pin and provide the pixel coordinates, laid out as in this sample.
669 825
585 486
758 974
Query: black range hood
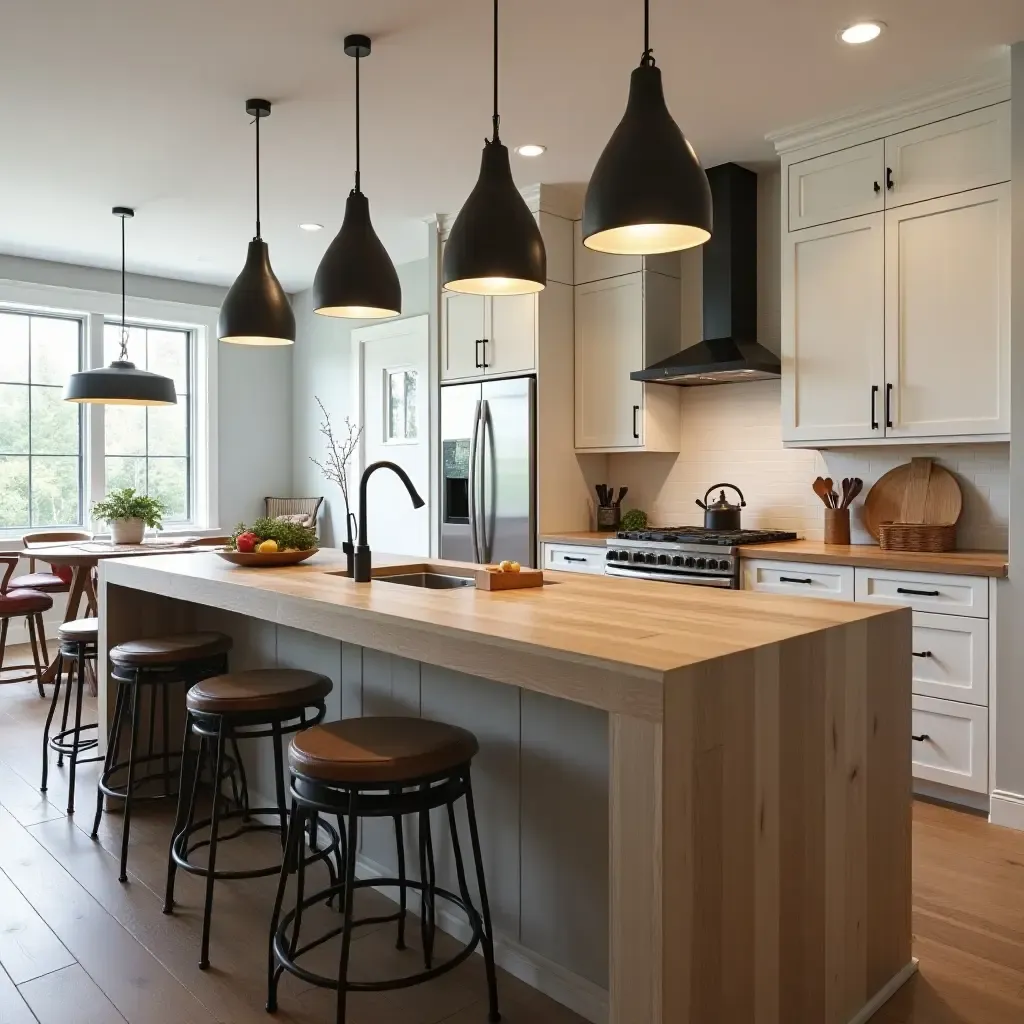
729 352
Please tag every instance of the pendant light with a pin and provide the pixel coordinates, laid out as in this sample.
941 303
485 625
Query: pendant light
648 193
120 383
356 277
495 246
256 310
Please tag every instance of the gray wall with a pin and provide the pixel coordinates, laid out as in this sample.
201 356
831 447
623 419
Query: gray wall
254 437
322 367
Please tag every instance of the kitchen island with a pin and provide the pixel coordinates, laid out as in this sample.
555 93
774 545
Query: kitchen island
695 801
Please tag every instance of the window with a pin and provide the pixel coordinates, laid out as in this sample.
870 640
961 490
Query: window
401 406
150 448
40 434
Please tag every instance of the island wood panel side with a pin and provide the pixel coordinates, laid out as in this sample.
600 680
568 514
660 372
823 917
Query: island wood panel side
786 886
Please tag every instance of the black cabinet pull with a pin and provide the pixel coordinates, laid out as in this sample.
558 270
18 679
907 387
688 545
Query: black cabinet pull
889 183
878 188
920 739
794 579
572 558
476 353
922 654
918 593
888 405
483 362
636 429
874 395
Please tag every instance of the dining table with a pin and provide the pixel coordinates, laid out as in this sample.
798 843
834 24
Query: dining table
83 556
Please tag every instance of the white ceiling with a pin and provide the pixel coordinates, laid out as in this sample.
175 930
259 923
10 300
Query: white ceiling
142 103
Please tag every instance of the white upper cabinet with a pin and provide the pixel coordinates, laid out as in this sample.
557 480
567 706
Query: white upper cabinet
947 334
833 319
484 335
948 156
837 185
512 334
463 329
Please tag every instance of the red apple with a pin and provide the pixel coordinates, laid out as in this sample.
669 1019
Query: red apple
246 542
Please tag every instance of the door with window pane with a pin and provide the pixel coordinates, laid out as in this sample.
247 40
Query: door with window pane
148 448
40 433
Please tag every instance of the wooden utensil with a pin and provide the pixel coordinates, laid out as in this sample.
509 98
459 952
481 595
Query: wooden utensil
885 501
856 486
828 491
823 491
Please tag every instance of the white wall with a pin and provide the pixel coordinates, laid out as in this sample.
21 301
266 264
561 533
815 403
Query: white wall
322 367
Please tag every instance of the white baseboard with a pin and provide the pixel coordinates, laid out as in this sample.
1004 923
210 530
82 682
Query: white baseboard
1007 809
580 995
885 993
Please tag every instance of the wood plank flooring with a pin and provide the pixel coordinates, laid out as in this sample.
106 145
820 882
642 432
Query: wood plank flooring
77 945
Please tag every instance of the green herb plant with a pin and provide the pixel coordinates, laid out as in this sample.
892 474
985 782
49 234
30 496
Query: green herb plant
126 504
634 519
287 535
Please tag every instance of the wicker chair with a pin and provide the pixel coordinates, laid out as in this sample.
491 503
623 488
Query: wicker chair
307 507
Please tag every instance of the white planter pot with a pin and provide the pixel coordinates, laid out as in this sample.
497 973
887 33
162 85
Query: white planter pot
127 531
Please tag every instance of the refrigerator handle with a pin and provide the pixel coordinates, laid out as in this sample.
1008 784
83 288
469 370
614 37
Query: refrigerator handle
474 440
488 477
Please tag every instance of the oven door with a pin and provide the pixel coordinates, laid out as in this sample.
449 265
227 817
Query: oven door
693 579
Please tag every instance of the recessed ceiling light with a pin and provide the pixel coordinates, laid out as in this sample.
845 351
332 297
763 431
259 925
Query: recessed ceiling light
530 149
310 226
862 32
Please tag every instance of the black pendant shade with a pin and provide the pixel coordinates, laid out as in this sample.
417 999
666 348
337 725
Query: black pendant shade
495 246
256 310
120 383
648 193
356 277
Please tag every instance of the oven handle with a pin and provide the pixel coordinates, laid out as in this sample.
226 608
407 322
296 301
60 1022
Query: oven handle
722 582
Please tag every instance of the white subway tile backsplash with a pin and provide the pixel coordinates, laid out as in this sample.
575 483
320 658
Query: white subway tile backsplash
733 432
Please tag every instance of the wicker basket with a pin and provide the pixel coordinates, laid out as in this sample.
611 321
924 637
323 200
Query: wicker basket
916 537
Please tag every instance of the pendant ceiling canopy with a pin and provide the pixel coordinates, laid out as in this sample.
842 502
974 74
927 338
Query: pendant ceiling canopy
356 277
120 383
256 310
495 246
648 193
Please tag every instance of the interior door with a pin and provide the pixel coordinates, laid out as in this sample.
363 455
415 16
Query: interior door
394 405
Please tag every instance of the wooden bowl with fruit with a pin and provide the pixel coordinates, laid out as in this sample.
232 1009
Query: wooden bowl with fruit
270 542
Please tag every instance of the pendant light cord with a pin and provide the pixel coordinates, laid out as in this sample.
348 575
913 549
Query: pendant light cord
495 119
647 60
358 58
124 330
257 120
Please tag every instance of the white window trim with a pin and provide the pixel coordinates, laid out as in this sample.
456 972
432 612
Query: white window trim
96 308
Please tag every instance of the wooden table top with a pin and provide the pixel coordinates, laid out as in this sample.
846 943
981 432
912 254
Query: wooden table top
89 552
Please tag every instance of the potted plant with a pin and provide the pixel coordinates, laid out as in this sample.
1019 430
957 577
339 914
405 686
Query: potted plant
128 514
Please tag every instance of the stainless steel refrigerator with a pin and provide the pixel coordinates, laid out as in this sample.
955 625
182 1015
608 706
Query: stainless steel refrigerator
489 471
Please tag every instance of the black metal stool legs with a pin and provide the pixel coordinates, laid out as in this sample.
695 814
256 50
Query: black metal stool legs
427 891
402 888
126 821
49 720
291 857
204 955
351 847
67 698
76 745
191 770
485 909
113 742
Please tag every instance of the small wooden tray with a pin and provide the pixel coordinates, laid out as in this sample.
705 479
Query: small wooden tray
492 579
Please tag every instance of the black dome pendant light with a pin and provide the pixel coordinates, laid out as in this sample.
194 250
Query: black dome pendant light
120 383
648 193
495 246
356 277
256 310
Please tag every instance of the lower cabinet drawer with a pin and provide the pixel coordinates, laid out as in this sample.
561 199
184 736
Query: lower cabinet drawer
925 591
951 657
950 743
798 579
574 558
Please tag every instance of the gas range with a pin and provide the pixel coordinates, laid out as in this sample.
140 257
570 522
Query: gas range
684 554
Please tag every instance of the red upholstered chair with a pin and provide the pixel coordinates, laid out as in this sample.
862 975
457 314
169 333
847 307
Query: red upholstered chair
30 605
58 579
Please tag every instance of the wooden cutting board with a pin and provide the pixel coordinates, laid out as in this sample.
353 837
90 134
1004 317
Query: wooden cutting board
919 492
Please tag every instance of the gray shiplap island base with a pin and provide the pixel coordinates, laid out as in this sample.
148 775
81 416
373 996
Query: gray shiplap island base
695 804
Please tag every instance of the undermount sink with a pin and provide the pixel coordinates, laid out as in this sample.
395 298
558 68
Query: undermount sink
427 580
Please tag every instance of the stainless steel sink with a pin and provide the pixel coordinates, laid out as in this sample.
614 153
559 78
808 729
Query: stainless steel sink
427 580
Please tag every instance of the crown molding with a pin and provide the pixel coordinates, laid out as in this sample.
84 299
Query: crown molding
967 93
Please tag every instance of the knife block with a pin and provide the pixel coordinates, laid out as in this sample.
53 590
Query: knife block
837 526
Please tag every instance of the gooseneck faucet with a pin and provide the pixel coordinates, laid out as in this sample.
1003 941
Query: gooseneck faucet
361 569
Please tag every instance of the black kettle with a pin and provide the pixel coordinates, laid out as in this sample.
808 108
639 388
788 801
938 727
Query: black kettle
721 515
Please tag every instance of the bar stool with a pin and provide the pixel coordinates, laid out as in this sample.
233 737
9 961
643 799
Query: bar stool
154 664
77 640
237 706
371 768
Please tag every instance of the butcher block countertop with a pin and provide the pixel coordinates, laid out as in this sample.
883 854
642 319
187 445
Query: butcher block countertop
964 563
588 537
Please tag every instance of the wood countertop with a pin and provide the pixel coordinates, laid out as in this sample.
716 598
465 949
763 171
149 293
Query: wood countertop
964 563
591 538
608 642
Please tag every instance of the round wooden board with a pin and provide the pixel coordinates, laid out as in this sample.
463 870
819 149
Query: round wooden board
267 559
884 503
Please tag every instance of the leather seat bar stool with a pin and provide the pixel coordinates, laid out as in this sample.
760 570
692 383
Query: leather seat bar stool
258 704
77 640
371 768
152 665
16 603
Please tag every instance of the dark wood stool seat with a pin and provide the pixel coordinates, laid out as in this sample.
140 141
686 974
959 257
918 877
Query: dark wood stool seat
79 631
237 693
24 602
362 751
161 651
30 604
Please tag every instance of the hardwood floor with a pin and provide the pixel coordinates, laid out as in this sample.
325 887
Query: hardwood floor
78 947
